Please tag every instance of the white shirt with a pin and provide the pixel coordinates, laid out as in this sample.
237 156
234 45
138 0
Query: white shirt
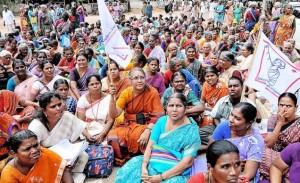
8 17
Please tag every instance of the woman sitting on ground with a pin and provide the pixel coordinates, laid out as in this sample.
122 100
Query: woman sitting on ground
93 106
22 83
45 83
30 162
79 74
283 129
288 161
62 87
164 160
155 79
220 154
240 132
195 108
51 125
142 109
213 90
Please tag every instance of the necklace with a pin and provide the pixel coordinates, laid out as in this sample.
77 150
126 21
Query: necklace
95 116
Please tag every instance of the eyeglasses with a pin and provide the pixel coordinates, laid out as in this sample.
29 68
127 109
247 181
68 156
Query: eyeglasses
138 78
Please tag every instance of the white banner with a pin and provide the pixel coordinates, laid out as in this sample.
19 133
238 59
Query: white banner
272 72
114 43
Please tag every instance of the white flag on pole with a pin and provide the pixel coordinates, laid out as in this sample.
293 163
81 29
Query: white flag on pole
114 43
272 72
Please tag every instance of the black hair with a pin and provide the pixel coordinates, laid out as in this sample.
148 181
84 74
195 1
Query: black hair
54 43
31 33
89 51
82 53
45 100
5 71
16 139
178 73
44 63
140 44
248 110
68 48
236 78
150 59
212 69
60 82
179 96
189 47
229 57
141 59
88 79
289 95
219 148
17 61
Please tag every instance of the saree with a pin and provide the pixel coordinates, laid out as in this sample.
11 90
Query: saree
74 76
157 82
227 74
53 173
289 134
96 113
237 14
47 22
165 153
122 85
124 136
252 16
80 11
212 95
23 89
220 11
229 16
284 30
68 127
273 24
250 148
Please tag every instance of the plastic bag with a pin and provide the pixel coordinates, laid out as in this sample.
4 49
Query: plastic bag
65 40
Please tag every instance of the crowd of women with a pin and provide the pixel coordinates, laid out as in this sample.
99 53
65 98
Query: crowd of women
182 95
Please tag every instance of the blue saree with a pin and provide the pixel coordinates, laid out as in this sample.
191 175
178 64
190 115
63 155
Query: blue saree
168 149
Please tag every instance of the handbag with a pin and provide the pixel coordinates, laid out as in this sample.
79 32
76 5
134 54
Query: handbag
65 40
100 163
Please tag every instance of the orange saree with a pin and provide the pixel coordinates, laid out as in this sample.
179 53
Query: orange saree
125 135
284 30
49 168
212 95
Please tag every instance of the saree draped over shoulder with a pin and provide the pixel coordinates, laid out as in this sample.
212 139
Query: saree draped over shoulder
284 29
165 153
125 135
68 127
49 168
23 89
289 134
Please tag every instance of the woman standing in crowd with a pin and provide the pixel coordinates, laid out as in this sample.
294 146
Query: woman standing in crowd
220 154
30 159
142 109
165 160
240 132
22 82
213 90
283 129
81 12
93 106
247 54
286 25
79 74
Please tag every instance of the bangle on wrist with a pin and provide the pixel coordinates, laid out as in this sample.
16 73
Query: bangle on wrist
148 129
146 162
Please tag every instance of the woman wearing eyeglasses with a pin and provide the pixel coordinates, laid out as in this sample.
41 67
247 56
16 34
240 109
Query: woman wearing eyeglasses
142 107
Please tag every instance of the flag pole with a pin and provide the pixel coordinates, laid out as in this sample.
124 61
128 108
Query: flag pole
255 49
